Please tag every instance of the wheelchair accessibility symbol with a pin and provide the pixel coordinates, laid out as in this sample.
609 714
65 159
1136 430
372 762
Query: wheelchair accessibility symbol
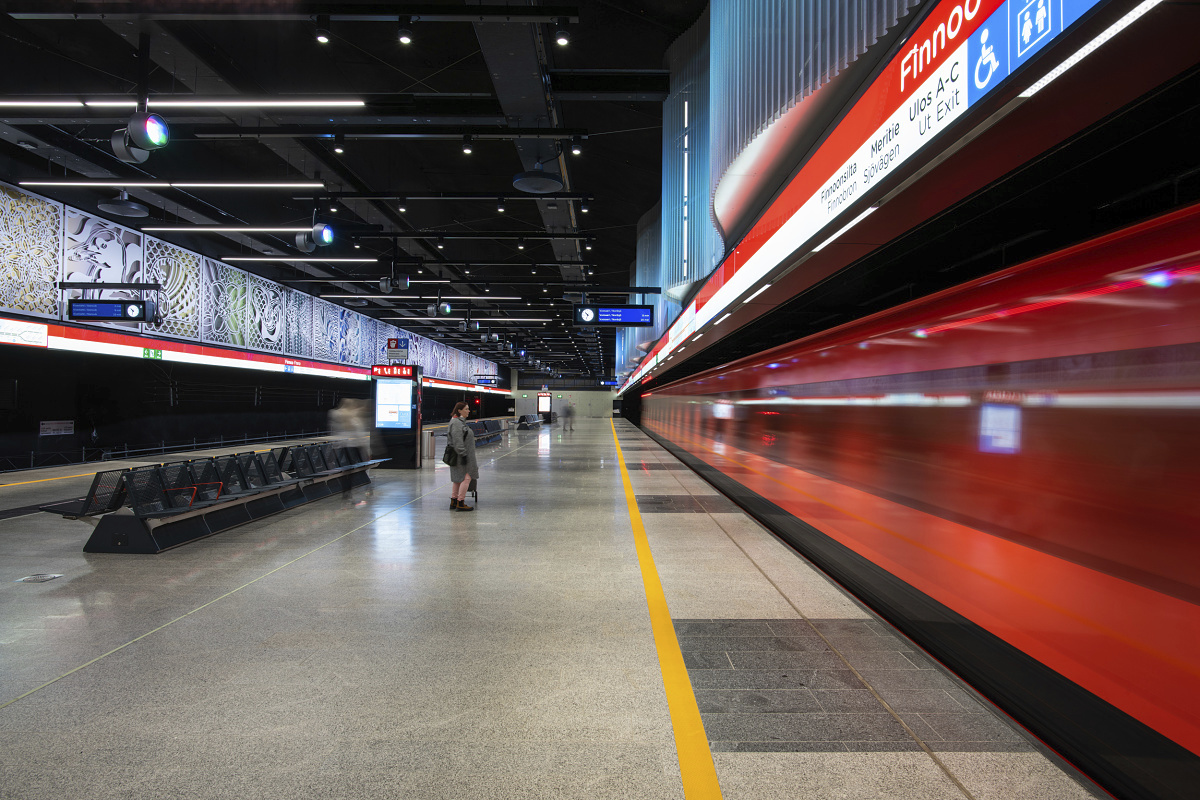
987 64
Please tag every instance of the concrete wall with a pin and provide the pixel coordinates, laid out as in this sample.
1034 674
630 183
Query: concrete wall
588 403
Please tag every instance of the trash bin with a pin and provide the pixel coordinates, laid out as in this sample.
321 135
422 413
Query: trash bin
429 450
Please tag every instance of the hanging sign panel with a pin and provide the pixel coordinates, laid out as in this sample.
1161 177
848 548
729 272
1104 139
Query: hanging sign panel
616 316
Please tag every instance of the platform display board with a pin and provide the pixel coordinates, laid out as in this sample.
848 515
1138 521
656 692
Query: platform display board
615 315
397 414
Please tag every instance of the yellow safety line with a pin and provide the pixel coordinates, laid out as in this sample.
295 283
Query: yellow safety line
696 766
43 480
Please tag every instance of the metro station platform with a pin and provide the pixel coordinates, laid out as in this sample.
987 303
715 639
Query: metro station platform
604 625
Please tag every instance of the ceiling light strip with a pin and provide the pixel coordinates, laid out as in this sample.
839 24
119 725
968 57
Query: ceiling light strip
304 261
219 103
172 184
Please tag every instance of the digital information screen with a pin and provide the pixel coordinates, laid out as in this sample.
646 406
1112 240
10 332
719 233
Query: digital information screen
487 380
393 403
106 310
543 402
625 316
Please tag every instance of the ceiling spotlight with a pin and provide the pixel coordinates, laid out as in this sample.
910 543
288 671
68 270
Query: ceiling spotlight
576 145
441 243
520 244
444 309
402 208
323 28
587 245
339 143
145 132
467 143
561 36
583 208
500 205
122 206
320 236
404 34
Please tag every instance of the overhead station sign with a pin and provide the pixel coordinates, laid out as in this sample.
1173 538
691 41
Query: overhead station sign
959 54
108 310
623 316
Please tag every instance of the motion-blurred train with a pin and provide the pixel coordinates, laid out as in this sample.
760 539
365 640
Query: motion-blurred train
1009 470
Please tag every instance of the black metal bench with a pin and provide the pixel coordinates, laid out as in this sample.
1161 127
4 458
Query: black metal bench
106 495
483 434
172 504
528 422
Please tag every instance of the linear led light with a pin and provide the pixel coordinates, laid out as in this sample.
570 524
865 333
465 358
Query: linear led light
407 296
217 103
225 229
1083 52
42 103
174 185
761 289
722 319
843 229
477 319
303 260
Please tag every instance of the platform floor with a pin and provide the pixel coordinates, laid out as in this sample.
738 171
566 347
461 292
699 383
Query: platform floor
378 645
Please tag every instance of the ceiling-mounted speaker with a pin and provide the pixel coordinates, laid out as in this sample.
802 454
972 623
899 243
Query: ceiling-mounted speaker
537 181
122 206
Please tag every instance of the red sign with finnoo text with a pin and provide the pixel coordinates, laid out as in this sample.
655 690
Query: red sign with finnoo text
386 371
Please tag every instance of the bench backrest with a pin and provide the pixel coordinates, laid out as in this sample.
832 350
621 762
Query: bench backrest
146 493
330 455
313 451
271 470
252 470
207 481
300 463
177 483
107 493
492 425
343 457
231 474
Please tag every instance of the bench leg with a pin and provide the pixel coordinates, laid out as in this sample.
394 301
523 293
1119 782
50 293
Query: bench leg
118 533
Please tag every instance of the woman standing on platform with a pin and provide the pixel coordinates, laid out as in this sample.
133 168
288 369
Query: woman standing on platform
462 439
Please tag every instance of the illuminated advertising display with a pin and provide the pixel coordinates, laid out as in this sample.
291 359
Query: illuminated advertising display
393 403
543 402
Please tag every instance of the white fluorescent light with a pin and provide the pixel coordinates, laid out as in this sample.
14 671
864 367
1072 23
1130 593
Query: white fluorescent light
218 103
843 229
300 260
174 185
225 229
697 337
722 319
762 289
40 103
406 296
1083 52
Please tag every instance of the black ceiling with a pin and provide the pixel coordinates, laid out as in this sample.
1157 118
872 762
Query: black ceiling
506 82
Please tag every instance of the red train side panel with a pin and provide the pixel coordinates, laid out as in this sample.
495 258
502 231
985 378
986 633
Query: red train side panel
1023 449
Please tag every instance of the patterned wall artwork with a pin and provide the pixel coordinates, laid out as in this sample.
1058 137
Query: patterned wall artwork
224 318
299 326
178 272
266 315
42 242
31 231
98 251
327 322
366 341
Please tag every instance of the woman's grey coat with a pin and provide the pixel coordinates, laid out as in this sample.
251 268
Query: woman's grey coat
463 441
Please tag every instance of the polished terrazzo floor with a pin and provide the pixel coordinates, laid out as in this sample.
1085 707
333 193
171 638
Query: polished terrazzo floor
380 646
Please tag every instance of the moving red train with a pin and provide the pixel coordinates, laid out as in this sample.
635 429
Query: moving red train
1008 471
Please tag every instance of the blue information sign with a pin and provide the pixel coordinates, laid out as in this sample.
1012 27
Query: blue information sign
106 310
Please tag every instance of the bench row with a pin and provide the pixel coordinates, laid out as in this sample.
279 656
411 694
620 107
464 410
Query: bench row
150 508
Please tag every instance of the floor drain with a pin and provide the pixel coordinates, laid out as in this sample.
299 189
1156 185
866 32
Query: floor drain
37 578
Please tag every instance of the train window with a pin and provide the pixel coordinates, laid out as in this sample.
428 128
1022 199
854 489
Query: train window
999 428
